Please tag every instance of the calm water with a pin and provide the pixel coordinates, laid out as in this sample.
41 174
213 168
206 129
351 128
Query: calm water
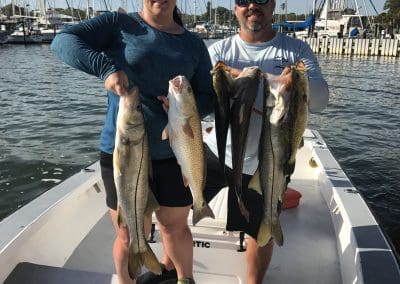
51 117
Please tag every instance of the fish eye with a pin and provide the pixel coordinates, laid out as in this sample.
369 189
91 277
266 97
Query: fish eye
189 89
138 107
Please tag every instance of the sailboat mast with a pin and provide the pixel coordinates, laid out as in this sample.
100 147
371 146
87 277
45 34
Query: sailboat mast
369 18
215 13
43 12
210 11
313 7
195 10
358 13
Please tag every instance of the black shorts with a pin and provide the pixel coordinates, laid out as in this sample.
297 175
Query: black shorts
167 185
251 199
169 190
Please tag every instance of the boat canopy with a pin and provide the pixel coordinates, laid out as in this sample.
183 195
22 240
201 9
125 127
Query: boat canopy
301 25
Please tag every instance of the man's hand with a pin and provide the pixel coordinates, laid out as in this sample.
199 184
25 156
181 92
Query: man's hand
117 83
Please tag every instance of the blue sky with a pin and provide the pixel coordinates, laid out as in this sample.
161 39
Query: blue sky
296 6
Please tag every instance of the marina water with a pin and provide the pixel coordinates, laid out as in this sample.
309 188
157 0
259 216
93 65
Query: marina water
52 115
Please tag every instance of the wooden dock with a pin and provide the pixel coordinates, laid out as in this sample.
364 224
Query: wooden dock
354 46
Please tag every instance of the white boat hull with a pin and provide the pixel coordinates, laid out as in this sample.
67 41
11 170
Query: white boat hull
332 237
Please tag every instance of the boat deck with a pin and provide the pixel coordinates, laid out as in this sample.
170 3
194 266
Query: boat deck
309 253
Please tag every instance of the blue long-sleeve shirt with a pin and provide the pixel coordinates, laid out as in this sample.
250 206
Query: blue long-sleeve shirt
150 58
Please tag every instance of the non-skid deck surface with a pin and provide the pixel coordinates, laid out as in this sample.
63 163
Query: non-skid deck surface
30 273
309 254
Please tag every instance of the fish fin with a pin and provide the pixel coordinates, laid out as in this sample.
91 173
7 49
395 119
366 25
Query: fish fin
289 168
187 129
254 183
164 134
264 234
151 181
150 261
200 213
120 218
185 180
301 144
135 263
152 204
277 233
116 161
244 211
241 113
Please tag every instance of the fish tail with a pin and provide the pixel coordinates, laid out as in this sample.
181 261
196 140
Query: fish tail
152 204
289 169
254 183
150 261
264 234
202 212
277 233
137 260
135 263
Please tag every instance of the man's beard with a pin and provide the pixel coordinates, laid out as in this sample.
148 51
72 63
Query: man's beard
254 27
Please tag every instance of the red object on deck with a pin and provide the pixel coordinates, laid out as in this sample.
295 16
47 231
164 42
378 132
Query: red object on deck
292 198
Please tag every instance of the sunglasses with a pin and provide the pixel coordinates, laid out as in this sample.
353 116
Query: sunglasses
245 3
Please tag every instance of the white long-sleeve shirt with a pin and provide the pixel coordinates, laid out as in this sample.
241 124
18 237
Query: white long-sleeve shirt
271 57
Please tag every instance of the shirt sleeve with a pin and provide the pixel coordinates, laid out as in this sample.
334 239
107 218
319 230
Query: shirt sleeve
202 83
318 88
214 51
82 45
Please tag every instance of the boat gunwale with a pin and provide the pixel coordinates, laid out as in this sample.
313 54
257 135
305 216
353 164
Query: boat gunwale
347 208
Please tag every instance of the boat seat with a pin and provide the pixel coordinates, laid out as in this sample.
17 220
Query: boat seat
26 272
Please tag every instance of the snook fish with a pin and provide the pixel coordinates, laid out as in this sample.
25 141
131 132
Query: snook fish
223 87
131 175
246 88
185 137
284 121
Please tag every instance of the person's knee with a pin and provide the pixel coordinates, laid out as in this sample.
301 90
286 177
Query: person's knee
174 228
173 220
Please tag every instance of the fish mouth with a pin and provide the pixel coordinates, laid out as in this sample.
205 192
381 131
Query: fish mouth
177 83
280 91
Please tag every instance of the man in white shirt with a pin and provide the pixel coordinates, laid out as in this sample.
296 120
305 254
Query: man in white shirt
257 44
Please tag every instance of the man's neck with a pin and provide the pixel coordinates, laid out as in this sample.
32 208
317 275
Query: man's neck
257 37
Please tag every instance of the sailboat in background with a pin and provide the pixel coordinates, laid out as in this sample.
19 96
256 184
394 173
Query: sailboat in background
22 30
49 22
36 26
342 18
